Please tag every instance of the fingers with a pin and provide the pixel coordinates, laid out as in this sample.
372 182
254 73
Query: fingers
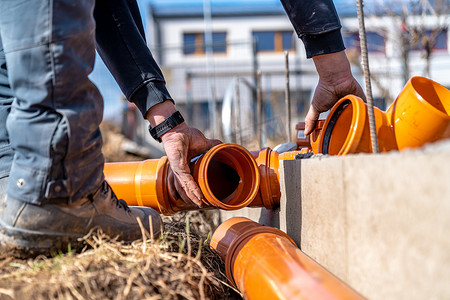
185 184
181 145
176 190
188 190
359 91
310 120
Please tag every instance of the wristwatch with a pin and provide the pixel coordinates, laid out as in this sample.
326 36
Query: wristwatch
171 122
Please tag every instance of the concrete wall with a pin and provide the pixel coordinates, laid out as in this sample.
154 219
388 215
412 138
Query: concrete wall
379 222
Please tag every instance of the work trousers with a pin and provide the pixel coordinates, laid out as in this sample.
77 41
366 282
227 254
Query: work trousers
50 142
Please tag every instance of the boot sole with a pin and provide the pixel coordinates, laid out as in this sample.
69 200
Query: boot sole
22 243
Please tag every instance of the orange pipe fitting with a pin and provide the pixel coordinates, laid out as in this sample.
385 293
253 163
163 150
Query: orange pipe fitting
268 162
419 115
227 175
310 142
264 263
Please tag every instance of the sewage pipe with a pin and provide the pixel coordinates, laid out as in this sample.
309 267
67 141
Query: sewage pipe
268 162
227 175
419 115
264 263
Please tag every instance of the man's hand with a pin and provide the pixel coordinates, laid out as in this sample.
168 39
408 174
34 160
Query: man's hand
335 81
181 144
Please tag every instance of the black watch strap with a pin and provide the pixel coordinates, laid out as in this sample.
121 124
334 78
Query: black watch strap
171 122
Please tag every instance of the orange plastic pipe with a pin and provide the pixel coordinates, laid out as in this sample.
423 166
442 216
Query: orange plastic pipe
264 263
419 115
268 162
227 175
310 143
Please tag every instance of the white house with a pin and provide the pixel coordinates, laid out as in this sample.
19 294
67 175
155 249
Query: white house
252 35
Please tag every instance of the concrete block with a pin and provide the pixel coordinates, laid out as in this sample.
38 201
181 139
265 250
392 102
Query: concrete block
324 229
380 222
290 212
398 217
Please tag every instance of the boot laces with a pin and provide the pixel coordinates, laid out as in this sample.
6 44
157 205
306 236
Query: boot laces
122 204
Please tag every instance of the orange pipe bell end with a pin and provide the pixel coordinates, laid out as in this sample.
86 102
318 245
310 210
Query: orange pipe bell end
264 263
268 162
346 129
419 115
227 175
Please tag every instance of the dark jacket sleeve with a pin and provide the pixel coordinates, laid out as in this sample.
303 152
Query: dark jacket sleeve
122 46
316 22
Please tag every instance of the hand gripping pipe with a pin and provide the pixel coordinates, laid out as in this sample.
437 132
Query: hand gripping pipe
227 175
264 263
419 115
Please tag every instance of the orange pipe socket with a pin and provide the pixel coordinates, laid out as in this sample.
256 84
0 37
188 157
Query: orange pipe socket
309 143
227 175
264 263
268 162
419 115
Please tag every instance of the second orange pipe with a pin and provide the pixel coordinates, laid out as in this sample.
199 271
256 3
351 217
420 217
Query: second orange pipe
264 263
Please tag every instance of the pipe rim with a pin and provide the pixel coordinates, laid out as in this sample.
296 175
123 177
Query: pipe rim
357 124
251 167
241 237
162 189
413 82
264 160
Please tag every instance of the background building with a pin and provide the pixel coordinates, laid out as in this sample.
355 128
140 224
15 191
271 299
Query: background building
210 52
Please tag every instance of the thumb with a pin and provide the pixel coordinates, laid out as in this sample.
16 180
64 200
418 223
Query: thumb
310 120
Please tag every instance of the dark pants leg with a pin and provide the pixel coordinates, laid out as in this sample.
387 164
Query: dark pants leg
54 118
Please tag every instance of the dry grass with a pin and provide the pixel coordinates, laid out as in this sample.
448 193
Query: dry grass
177 265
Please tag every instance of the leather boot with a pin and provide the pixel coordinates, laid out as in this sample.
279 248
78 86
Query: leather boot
27 230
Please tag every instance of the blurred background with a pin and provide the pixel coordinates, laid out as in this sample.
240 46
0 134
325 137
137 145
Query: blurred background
224 59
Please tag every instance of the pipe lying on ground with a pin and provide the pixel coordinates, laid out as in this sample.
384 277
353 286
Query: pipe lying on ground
419 115
264 263
227 175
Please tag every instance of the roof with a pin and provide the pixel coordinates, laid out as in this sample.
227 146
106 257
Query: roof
194 8
172 8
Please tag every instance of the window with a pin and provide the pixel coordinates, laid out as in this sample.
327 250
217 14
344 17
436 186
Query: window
275 41
375 41
194 43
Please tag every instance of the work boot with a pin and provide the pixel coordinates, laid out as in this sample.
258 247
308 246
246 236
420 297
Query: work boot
27 230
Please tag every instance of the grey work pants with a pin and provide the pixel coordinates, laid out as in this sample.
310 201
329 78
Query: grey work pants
50 143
